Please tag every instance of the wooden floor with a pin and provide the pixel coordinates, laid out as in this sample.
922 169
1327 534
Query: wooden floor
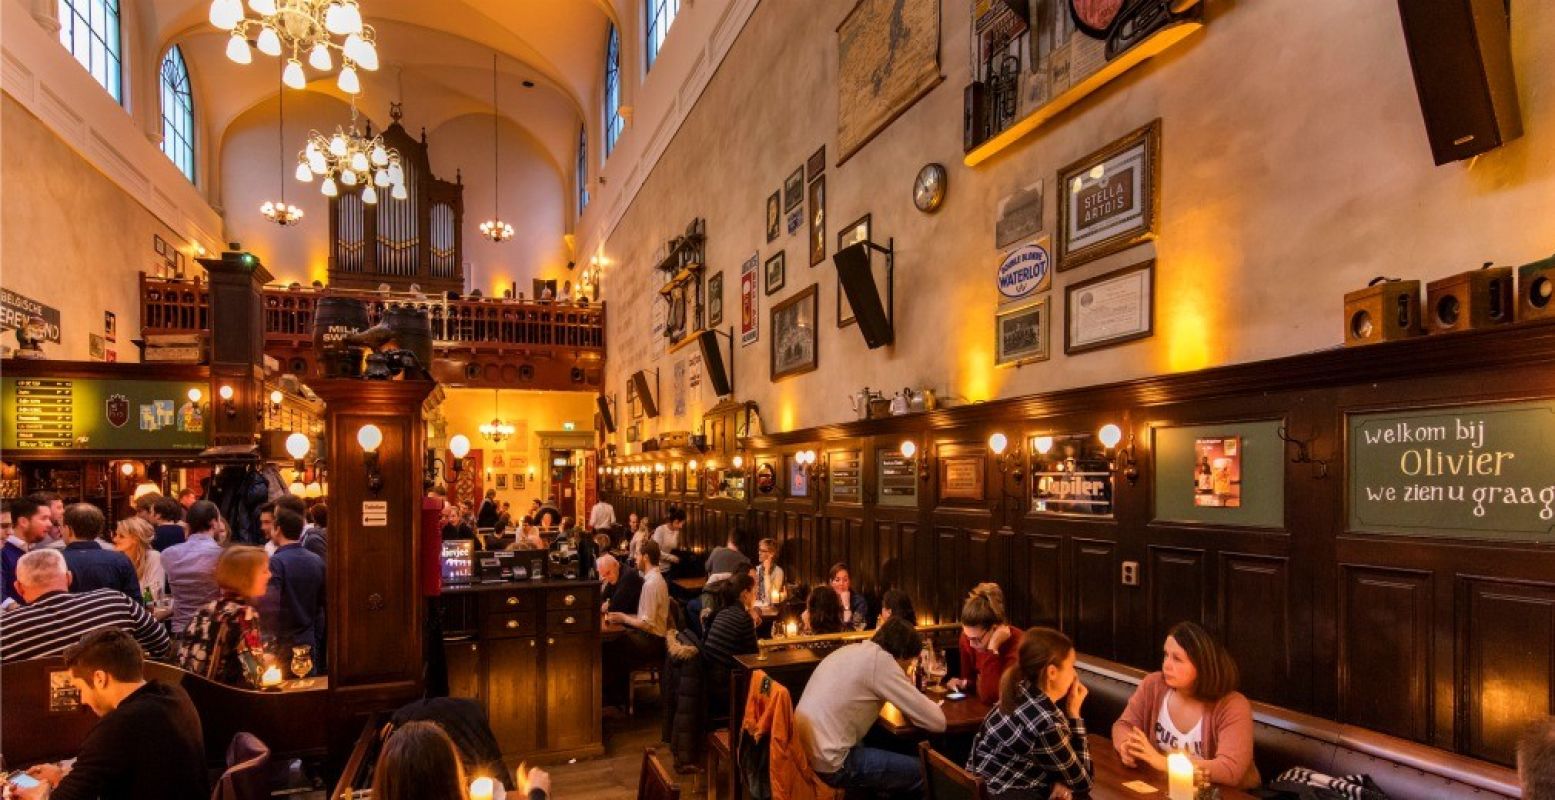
614 777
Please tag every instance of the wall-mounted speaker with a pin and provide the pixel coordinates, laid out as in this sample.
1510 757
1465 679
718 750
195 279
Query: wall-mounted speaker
974 116
644 393
857 279
1536 290
713 362
1383 311
1461 54
606 418
1477 299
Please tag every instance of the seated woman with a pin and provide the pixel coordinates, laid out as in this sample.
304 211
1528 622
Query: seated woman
133 537
642 534
823 612
897 603
1191 706
730 633
988 644
1032 744
222 642
769 576
527 538
855 609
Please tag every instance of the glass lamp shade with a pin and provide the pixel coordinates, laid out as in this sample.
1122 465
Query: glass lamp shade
226 13
459 445
369 195
1110 435
348 177
304 173
293 75
399 192
359 162
997 443
297 445
318 57
348 81
265 7
343 18
269 42
237 50
337 145
369 437
329 188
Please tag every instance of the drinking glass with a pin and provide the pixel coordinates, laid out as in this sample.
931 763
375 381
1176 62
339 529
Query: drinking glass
302 661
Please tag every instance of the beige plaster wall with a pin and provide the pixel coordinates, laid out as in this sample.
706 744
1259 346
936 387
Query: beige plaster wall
1295 167
70 237
464 410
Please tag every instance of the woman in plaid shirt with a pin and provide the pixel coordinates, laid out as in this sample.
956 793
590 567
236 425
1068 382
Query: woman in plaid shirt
1032 744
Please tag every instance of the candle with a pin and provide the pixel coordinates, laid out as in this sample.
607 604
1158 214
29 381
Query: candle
271 678
792 628
1179 777
481 789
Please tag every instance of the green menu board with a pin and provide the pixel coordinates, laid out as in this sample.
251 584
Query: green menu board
95 414
1480 472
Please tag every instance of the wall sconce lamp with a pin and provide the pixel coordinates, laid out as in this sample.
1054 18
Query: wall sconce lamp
1009 460
195 395
458 447
739 462
920 461
810 463
226 393
275 401
1110 435
1043 445
369 437
127 468
297 446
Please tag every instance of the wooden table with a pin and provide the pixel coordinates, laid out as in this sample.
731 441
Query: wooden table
1111 775
961 717
691 584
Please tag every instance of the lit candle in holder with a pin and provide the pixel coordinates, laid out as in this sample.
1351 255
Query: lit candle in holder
481 789
1179 777
791 629
271 679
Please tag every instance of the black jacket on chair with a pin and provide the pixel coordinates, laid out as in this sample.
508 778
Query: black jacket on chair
685 704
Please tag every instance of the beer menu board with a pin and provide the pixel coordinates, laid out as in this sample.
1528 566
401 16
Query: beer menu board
846 476
97 414
898 479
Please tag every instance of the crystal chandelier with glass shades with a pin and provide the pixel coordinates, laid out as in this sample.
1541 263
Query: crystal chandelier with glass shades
497 429
495 229
297 30
350 159
281 213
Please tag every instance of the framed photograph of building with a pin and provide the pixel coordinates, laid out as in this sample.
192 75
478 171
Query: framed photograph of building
1109 199
1022 333
793 189
1110 309
794 334
775 272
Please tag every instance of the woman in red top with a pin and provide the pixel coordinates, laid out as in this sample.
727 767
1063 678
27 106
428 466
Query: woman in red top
988 644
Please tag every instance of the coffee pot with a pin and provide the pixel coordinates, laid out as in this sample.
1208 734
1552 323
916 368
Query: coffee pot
861 400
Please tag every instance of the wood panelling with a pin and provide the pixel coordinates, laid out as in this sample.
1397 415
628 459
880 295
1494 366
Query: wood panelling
1509 653
1041 602
1093 584
1384 651
1255 619
1177 587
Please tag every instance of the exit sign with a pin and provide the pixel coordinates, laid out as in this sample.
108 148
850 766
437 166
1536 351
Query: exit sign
569 426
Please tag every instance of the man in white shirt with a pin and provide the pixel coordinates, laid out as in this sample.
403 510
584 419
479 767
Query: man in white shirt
602 517
667 536
643 642
844 698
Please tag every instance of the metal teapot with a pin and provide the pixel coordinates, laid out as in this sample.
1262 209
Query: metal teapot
861 400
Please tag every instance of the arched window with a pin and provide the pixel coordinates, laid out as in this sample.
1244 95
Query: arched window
613 121
177 113
661 15
583 169
89 29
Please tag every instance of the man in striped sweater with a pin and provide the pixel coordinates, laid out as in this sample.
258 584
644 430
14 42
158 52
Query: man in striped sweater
54 619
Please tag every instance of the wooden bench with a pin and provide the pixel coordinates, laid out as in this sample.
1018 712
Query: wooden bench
720 765
1283 739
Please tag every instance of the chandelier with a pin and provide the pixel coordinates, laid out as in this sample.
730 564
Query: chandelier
495 229
281 213
352 158
298 29
496 430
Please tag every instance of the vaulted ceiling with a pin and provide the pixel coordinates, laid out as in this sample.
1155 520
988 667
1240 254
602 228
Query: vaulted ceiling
434 54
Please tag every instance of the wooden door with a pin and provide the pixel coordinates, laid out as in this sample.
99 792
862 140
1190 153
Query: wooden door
571 695
512 699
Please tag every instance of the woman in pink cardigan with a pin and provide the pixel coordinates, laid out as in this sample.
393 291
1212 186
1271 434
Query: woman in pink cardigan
1191 706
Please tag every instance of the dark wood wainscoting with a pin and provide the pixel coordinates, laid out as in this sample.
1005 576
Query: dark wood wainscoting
1446 641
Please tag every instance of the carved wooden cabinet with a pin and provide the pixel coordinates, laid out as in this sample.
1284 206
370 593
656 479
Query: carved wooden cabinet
529 653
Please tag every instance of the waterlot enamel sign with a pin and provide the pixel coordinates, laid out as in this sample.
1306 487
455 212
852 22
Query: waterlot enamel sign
1025 271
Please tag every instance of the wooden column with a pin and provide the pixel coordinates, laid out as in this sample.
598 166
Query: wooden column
237 346
375 607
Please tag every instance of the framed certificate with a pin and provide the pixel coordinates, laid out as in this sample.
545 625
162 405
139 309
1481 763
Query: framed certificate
1110 309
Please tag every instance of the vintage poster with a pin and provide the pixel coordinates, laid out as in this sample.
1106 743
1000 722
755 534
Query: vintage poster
1217 472
749 330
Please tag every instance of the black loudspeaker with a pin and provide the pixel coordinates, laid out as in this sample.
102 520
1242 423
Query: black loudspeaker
713 362
974 116
644 395
1461 54
858 283
605 417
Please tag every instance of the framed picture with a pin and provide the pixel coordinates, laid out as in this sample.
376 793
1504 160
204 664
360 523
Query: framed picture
502 481
774 215
816 165
775 272
793 189
794 334
750 328
818 220
1021 333
518 482
715 300
1110 309
961 479
852 233
1110 200
1217 472
887 58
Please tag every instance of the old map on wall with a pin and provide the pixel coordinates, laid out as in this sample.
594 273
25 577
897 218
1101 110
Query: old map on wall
887 58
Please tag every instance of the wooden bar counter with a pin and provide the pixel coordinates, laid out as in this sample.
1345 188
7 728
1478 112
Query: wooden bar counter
528 651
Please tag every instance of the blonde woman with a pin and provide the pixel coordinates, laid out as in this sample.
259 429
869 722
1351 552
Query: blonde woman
223 642
133 537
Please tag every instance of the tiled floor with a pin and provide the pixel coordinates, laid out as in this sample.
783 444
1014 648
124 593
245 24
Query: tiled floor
614 777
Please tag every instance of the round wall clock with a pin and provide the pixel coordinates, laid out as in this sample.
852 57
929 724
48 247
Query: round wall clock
928 190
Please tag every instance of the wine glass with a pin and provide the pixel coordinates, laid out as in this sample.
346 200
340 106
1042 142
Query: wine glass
937 668
302 661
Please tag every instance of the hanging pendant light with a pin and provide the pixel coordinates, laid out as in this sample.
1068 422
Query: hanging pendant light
295 27
497 429
282 213
495 229
352 159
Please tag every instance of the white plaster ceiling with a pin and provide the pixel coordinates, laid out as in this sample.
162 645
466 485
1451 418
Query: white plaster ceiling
434 54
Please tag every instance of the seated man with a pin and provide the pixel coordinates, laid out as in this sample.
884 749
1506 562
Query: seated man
166 514
621 591
293 606
843 699
91 566
726 560
149 742
644 639
54 619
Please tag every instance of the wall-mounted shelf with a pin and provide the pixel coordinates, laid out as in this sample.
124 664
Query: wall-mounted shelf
1161 41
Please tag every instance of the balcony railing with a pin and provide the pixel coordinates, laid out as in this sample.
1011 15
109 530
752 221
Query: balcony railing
183 306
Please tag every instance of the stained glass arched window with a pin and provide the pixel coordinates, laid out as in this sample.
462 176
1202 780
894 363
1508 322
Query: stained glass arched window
177 113
89 29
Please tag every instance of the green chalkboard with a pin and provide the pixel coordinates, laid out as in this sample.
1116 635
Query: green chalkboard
1260 490
1479 472
50 414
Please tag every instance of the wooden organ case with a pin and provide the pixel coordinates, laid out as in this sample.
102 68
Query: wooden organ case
417 240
